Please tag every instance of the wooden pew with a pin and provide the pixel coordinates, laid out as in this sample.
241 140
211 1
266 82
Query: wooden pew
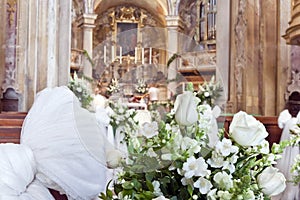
11 124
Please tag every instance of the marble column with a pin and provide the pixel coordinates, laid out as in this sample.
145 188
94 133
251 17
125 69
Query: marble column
174 25
87 23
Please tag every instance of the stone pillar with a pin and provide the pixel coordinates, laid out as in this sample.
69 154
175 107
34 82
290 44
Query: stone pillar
284 55
174 25
2 40
223 46
44 47
87 23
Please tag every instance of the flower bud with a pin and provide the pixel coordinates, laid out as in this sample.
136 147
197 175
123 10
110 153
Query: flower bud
271 181
113 158
186 109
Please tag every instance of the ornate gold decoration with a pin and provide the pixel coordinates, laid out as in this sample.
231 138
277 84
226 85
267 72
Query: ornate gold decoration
106 22
11 10
292 35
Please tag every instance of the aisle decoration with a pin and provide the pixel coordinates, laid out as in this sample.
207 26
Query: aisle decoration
79 86
171 158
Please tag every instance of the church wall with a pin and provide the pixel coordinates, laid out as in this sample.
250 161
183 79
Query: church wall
253 48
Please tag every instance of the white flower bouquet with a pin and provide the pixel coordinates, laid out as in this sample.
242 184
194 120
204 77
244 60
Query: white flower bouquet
174 159
141 86
114 86
210 91
79 86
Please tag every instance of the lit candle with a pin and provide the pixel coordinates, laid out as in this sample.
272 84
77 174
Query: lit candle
104 55
135 55
150 55
120 55
143 61
112 53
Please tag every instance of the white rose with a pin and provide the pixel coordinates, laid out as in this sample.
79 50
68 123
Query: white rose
150 129
186 108
142 116
271 181
246 130
113 158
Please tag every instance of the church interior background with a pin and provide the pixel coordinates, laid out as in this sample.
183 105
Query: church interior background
250 46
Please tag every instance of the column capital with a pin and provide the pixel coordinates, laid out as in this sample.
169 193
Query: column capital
174 21
87 20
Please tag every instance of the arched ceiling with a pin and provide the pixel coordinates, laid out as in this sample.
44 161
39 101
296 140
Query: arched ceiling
155 7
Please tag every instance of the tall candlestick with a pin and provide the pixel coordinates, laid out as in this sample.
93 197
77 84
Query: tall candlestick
143 61
150 55
135 55
120 55
112 53
104 55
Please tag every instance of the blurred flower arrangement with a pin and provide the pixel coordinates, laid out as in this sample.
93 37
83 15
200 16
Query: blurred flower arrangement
79 86
141 86
210 91
114 86
296 167
122 118
185 157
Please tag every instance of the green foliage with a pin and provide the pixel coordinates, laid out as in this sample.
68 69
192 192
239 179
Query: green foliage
79 86
210 91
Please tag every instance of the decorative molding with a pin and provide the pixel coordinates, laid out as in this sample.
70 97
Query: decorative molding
294 86
174 22
10 79
11 9
188 12
240 33
292 34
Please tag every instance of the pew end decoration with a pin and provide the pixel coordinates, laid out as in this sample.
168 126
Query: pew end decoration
184 156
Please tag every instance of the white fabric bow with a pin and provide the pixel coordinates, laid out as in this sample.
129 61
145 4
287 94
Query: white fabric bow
283 118
61 148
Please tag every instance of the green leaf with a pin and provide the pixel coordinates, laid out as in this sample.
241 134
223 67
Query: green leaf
190 190
128 185
136 184
150 185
